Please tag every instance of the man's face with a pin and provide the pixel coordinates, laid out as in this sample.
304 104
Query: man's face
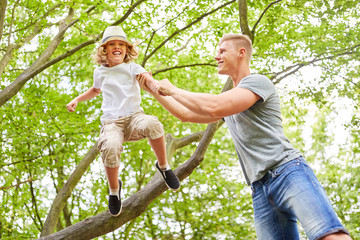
227 57
116 51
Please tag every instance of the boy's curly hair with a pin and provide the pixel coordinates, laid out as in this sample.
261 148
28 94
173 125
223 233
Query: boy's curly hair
131 54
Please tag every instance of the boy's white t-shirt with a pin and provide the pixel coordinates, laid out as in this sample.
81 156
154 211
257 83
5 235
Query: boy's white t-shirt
120 89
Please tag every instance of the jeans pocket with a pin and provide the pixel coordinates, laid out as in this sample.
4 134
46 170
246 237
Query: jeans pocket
279 170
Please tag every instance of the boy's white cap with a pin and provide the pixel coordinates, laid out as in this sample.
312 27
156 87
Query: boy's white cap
114 33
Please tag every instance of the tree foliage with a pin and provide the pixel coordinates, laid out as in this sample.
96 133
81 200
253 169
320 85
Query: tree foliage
52 180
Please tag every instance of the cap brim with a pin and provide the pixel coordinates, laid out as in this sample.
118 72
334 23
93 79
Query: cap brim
116 38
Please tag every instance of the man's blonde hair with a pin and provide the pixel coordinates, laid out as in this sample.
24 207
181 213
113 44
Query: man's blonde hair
241 40
100 56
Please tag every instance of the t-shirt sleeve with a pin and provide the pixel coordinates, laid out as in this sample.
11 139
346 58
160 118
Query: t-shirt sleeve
97 79
136 69
258 84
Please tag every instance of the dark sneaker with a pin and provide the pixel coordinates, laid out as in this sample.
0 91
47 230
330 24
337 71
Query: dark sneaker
115 203
170 178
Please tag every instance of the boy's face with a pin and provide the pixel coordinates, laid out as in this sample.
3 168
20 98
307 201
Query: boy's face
115 52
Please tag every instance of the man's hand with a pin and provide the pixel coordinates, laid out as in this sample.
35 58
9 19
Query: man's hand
165 87
72 105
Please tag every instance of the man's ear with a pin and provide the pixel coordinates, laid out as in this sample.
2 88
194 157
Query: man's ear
242 52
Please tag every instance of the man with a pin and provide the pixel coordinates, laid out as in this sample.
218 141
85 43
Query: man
284 187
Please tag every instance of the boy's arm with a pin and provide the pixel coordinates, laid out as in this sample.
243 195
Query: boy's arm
148 80
89 94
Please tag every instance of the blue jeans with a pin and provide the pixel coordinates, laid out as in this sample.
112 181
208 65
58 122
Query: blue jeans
289 193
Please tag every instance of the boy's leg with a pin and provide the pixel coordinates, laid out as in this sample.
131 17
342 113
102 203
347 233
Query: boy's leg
171 180
159 148
110 146
148 126
112 174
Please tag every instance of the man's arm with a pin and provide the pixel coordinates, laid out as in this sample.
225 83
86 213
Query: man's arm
181 112
208 105
89 94
174 107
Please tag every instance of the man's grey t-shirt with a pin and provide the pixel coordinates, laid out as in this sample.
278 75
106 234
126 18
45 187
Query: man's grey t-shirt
258 133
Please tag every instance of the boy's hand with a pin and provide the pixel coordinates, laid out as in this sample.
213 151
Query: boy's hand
142 81
72 105
153 87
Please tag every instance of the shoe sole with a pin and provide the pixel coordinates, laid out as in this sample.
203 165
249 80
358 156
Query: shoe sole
172 189
116 214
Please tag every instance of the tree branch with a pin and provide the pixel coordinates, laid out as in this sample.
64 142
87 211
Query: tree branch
128 12
18 185
12 20
3 4
294 68
136 204
262 14
34 203
154 32
183 66
65 192
36 22
171 20
148 46
243 17
34 157
20 81
32 216
181 30
11 47
166 23
23 40
42 62
185 45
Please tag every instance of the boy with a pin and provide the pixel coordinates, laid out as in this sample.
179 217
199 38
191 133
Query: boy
123 119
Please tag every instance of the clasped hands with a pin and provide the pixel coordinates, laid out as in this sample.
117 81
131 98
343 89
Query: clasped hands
163 87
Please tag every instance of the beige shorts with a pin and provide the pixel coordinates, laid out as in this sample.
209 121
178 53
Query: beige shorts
131 128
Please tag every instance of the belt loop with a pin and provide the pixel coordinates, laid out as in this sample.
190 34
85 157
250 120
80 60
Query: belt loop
252 189
271 173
